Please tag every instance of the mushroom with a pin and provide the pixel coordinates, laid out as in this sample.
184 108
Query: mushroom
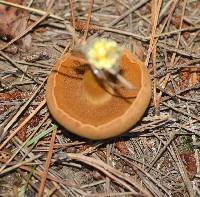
87 106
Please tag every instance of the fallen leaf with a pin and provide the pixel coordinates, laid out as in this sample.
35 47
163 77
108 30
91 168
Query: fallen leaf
189 161
176 21
184 78
14 21
122 147
194 76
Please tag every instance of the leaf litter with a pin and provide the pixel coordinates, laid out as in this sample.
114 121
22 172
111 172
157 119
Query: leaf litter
13 22
154 154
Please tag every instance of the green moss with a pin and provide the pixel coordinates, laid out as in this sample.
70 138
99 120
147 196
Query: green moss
187 142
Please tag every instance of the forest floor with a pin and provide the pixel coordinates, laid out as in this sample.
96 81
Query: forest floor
159 156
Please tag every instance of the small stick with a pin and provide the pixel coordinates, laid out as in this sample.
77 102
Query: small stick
23 123
88 21
47 164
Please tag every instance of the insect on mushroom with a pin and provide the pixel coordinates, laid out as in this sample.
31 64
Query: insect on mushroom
103 57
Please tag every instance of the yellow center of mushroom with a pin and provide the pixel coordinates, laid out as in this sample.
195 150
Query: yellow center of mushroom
103 54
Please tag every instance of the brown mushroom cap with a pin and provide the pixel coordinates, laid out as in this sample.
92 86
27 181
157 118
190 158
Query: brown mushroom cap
83 106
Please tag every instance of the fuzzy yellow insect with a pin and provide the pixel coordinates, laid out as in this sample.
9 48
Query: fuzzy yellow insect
103 53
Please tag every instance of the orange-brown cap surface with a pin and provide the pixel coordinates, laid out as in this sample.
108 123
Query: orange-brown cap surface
80 104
